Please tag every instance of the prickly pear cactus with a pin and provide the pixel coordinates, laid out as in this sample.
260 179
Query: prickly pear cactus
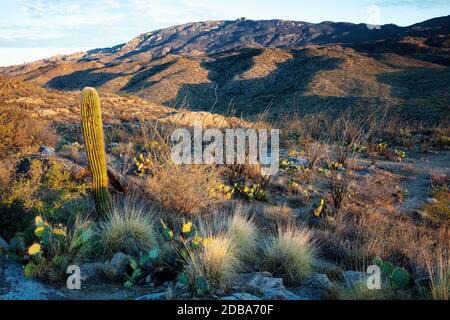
95 148
400 278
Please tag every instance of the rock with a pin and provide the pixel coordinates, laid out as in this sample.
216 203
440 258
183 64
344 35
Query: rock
15 286
154 296
89 271
4 246
352 277
117 267
319 281
292 296
299 162
17 244
261 284
432 201
243 296
310 293
46 151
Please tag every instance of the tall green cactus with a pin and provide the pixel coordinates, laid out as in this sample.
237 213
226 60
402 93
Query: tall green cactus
95 148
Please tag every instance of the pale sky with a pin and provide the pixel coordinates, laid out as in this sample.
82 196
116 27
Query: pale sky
35 29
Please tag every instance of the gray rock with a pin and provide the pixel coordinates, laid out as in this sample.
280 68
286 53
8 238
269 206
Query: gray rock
4 246
117 267
154 296
15 286
260 284
242 296
292 296
319 281
90 271
310 293
352 277
46 151
432 201
299 161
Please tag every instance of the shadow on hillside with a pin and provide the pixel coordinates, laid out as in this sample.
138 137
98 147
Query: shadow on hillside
423 92
140 80
284 86
80 79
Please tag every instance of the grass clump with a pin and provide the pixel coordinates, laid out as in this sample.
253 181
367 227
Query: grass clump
291 255
439 273
213 265
129 228
360 291
243 230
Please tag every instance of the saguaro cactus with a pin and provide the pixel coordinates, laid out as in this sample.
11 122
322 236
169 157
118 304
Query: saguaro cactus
95 148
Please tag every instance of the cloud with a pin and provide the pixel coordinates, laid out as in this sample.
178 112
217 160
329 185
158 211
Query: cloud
421 4
175 11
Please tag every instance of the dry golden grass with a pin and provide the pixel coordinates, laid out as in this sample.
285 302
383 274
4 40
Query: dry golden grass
439 272
243 230
291 254
216 262
278 216
129 228
19 133
359 291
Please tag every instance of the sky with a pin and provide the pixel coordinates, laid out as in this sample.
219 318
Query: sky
36 29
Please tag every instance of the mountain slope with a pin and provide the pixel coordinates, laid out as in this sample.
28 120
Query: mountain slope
242 67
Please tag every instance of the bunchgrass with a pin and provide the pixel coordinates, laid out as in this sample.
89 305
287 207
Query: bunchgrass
129 228
291 254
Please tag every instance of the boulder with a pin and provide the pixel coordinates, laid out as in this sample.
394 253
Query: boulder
299 162
117 267
89 271
352 277
318 281
46 151
309 293
260 284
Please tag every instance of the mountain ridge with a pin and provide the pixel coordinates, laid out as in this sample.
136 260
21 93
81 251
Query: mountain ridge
243 66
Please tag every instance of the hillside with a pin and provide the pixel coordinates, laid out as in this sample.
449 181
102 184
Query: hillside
243 67
63 108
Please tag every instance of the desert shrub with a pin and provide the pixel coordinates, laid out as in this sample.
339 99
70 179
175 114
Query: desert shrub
338 183
182 189
20 133
439 273
129 228
73 151
40 187
291 254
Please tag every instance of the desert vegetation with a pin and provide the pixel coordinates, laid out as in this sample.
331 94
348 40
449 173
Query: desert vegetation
351 192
